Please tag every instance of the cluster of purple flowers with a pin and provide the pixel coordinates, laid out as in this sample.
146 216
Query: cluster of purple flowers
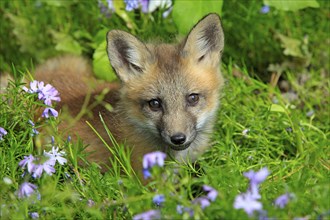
46 93
249 201
158 159
36 166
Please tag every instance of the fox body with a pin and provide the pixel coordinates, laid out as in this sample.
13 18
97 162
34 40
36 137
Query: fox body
167 97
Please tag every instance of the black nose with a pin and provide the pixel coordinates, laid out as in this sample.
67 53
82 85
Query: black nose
178 139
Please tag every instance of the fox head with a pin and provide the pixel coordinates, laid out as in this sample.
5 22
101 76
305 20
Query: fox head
170 93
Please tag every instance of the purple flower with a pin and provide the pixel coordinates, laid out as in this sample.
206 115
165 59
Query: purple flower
158 199
48 112
33 87
26 190
146 173
34 215
47 166
144 5
34 131
152 159
3 132
257 177
247 202
131 4
283 200
28 161
149 215
265 9
54 156
181 209
46 93
203 202
211 192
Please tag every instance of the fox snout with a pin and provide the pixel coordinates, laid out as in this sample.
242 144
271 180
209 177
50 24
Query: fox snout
178 131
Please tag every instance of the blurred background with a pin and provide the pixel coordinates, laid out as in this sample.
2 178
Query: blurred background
266 37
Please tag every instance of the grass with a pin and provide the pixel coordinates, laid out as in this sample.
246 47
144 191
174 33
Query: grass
257 126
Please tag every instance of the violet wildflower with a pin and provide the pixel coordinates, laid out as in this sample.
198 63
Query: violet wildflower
46 93
265 9
54 155
33 87
283 200
34 131
211 192
26 190
47 166
203 202
149 215
181 209
247 202
3 132
131 4
152 159
34 215
146 173
106 9
28 161
257 177
158 199
144 5
48 112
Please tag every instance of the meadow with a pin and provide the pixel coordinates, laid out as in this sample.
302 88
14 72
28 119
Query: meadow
271 138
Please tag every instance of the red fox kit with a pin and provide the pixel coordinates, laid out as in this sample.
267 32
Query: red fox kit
166 100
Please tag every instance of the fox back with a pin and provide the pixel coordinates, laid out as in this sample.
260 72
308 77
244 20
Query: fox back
166 100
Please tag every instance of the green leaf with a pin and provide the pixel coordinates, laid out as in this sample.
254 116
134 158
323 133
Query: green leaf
101 64
277 108
66 43
187 13
292 47
292 5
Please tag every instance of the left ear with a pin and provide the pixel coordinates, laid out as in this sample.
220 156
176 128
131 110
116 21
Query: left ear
205 41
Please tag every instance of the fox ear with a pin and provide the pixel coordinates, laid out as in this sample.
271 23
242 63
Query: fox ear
205 41
127 54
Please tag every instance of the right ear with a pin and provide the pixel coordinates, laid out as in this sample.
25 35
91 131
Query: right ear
127 54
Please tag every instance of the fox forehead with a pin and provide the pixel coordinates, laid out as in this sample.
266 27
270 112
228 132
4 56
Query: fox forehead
172 75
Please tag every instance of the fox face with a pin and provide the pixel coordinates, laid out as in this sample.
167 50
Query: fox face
170 93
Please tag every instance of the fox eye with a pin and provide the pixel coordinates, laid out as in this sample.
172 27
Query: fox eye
155 105
193 99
